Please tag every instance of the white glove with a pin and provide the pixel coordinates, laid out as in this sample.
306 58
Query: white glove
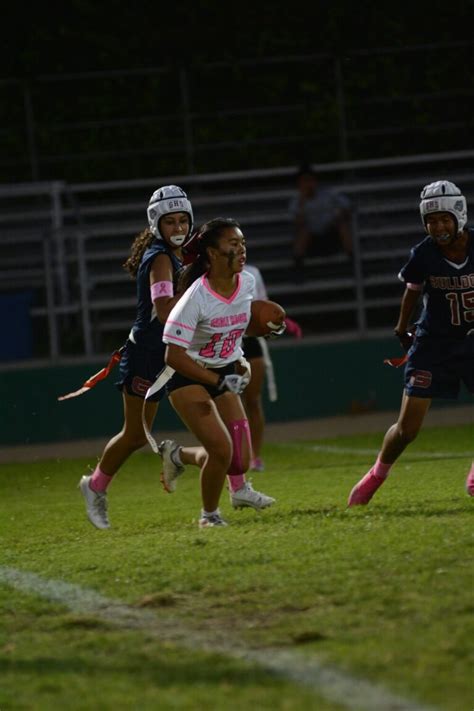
277 330
247 368
233 383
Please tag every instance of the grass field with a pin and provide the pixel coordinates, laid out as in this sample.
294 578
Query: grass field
382 593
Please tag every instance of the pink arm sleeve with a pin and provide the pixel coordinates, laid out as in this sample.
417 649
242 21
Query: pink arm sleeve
161 288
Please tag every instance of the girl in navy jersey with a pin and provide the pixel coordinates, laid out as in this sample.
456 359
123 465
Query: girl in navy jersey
441 355
156 257
204 334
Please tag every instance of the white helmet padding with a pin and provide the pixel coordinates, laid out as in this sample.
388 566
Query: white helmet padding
169 198
443 196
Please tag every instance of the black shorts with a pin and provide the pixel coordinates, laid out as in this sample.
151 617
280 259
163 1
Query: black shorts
251 347
139 368
180 381
437 366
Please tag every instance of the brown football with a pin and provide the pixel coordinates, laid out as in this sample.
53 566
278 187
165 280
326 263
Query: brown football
265 316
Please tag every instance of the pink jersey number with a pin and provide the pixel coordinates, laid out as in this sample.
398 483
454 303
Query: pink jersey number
228 347
228 344
209 350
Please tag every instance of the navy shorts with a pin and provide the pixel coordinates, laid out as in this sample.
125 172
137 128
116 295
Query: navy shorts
251 347
436 367
180 381
139 368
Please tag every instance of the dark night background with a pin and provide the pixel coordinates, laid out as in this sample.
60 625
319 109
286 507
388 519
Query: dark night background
74 85
82 36
109 99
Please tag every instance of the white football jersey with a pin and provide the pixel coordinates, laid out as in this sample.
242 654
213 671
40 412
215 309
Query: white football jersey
210 326
260 292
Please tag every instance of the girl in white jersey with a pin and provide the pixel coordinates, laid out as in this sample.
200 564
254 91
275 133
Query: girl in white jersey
204 334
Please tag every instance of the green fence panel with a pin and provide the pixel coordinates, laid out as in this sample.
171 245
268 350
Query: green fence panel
313 381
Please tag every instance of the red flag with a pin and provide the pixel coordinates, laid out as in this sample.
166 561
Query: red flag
100 375
396 362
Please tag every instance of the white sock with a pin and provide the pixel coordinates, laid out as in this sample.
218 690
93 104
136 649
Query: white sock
208 514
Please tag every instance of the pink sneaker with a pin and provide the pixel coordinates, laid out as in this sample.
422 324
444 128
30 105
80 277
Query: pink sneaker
470 483
365 489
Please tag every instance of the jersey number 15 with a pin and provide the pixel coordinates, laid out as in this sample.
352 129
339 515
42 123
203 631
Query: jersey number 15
462 307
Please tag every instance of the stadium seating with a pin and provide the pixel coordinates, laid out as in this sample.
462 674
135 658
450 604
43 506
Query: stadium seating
67 243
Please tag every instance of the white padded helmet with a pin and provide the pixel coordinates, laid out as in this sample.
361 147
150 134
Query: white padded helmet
169 198
443 196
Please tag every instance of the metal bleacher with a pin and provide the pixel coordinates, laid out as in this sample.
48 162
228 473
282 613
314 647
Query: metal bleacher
67 243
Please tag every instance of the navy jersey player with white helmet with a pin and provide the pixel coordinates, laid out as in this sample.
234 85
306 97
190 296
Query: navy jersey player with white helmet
155 258
440 355
204 334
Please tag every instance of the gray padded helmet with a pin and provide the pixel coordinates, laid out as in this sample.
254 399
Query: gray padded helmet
169 198
444 196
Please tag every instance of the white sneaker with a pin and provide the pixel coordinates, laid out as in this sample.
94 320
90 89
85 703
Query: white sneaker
96 504
211 520
246 496
171 471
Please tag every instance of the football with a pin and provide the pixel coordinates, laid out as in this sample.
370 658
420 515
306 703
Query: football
265 316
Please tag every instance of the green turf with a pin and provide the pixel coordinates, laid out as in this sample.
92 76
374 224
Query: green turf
384 592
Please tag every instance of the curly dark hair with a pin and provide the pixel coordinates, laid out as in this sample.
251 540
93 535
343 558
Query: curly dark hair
141 242
205 236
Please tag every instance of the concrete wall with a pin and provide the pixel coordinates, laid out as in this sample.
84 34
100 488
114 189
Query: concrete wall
313 381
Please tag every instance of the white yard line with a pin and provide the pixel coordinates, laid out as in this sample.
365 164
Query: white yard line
327 682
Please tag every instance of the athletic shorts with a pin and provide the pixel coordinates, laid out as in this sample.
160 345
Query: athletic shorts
436 367
251 347
180 381
139 368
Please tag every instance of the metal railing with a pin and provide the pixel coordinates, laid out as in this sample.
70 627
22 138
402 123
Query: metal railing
67 243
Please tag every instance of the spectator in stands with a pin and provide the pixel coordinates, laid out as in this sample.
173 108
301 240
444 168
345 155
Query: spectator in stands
156 257
441 354
257 353
204 336
321 217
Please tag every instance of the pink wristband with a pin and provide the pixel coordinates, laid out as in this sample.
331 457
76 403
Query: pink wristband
161 288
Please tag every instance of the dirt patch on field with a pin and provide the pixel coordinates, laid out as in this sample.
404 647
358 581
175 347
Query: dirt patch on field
275 432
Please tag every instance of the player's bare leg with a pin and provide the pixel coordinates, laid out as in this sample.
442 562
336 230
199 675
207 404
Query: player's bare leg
412 414
242 494
199 413
116 452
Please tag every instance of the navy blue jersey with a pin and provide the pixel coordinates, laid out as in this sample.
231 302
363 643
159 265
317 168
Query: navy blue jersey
147 329
448 289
